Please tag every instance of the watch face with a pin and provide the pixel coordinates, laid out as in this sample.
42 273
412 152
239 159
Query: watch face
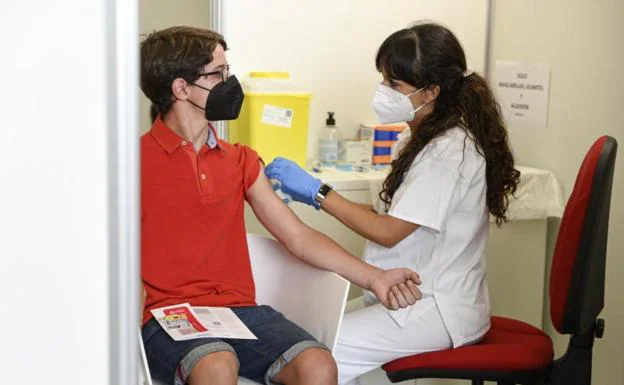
322 193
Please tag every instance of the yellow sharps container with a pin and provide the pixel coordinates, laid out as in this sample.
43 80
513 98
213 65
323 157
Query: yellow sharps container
274 118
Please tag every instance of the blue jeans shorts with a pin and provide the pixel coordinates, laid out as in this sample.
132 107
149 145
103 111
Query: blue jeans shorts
279 342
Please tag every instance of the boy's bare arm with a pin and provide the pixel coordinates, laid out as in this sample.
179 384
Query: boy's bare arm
395 288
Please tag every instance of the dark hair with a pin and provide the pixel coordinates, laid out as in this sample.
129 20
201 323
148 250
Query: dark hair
153 113
426 55
176 52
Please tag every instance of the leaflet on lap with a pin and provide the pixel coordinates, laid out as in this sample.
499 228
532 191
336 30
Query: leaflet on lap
186 322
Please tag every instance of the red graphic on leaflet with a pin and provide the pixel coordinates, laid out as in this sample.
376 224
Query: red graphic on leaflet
185 312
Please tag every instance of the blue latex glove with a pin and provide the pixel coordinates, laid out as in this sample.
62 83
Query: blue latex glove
296 182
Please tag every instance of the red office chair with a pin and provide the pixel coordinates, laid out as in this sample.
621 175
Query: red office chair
514 352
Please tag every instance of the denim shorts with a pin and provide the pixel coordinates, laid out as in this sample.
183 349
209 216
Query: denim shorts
279 342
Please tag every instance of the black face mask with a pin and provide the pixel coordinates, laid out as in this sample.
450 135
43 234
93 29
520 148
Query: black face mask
224 100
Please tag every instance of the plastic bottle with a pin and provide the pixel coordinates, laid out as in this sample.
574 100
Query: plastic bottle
277 187
328 142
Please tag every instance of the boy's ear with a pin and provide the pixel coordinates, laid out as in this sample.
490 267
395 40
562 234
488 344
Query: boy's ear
180 89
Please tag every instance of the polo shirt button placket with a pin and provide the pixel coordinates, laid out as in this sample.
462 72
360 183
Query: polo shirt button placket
204 181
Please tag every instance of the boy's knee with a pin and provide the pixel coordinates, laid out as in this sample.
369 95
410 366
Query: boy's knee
218 367
316 366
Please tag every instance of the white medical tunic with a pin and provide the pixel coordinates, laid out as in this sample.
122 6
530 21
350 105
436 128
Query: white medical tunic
444 192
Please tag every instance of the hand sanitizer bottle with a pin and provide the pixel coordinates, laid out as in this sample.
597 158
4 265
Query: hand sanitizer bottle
328 142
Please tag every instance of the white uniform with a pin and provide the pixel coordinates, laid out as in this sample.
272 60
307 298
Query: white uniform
445 193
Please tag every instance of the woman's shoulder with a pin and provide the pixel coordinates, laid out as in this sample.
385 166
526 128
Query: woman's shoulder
455 140
453 150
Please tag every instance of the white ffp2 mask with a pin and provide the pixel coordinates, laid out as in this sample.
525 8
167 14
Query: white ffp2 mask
392 106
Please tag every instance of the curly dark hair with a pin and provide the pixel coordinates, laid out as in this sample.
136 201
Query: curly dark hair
428 55
175 52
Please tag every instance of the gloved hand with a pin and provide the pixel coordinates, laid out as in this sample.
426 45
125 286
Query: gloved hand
296 182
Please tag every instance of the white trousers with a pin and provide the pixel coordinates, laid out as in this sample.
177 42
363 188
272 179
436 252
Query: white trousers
369 338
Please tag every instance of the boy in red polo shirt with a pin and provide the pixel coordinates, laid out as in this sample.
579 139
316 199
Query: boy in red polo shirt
193 188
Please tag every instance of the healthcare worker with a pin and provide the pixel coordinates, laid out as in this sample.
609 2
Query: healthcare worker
452 168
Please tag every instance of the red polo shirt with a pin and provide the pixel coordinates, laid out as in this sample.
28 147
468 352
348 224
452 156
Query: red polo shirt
193 237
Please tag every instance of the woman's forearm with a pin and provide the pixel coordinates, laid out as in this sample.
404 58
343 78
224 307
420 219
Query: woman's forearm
384 230
366 206
358 217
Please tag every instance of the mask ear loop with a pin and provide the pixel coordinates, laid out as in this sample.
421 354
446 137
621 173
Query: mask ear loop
415 92
422 104
203 88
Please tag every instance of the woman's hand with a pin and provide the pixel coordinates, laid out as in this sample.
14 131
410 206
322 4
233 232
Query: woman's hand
296 182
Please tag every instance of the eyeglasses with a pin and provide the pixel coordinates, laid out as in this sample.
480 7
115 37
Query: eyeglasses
225 73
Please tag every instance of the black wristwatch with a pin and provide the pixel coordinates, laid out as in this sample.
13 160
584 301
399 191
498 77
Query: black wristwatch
322 193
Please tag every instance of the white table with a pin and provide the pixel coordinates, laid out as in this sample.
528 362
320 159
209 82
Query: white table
516 253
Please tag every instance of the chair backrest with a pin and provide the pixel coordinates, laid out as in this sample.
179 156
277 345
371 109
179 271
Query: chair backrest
578 268
312 298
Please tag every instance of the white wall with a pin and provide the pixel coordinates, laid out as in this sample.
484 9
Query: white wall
329 46
54 201
160 14
583 41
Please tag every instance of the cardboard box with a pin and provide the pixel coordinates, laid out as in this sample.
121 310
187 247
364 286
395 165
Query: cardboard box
356 152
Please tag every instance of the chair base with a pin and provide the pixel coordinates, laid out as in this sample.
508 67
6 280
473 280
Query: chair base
575 366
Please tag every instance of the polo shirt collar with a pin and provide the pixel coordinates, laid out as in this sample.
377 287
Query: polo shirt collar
169 140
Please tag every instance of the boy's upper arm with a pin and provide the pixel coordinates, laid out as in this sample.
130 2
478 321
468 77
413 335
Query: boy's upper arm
251 164
276 216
